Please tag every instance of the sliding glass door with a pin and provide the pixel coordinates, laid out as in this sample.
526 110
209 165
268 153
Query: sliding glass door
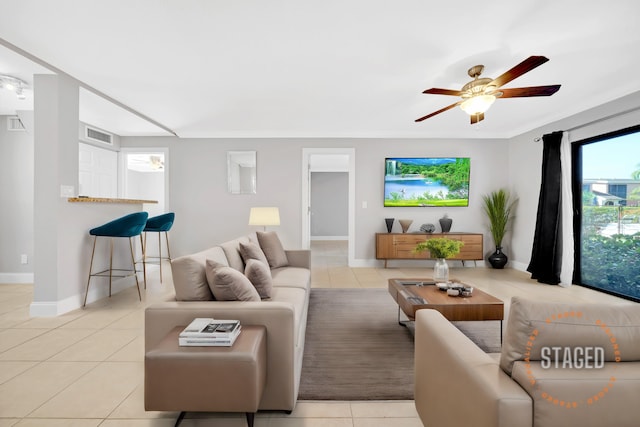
607 178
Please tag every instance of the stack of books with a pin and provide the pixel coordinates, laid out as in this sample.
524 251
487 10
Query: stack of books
210 333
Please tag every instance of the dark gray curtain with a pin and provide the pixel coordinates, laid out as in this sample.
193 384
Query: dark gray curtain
546 254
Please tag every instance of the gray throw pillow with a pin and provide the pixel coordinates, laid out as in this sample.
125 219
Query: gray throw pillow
228 284
259 275
272 248
250 250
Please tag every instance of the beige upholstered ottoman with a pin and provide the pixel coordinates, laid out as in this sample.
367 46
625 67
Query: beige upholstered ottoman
207 379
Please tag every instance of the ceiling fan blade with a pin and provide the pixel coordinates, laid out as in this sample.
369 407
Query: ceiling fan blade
442 110
438 91
522 92
475 118
524 67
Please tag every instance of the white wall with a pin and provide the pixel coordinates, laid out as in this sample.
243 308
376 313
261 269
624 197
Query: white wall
207 214
16 202
525 158
329 205
62 245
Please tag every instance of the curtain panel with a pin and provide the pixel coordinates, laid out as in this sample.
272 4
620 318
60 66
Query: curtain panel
546 255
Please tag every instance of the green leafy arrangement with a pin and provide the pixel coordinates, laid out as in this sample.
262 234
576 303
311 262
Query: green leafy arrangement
499 206
440 247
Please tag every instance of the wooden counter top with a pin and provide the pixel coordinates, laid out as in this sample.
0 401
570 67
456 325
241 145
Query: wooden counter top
107 200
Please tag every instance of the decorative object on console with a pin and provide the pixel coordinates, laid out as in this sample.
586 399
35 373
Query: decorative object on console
405 224
427 228
445 223
499 205
440 248
389 222
264 216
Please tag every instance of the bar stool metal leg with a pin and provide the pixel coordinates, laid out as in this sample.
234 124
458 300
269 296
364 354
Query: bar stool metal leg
143 247
110 263
135 273
95 238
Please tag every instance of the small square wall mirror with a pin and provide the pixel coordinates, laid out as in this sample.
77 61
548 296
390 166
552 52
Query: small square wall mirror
241 172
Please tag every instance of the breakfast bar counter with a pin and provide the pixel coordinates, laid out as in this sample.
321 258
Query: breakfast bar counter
107 200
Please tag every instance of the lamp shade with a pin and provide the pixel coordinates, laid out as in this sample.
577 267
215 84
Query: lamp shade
264 216
477 104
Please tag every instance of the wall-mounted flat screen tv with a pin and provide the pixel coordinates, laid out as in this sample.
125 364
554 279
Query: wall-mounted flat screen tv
426 181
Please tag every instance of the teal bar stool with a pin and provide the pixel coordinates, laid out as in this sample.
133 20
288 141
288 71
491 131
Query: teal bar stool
127 226
157 224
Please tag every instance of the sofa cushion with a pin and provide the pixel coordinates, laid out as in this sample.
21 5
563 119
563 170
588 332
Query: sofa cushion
259 275
292 277
581 397
272 248
298 300
232 251
533 325
228 284
251 250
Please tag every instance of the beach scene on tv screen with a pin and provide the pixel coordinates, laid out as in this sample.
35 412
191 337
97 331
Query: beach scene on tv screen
426 181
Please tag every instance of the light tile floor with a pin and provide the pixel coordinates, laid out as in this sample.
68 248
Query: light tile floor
85 368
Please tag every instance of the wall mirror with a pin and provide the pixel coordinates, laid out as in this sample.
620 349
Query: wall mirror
241 172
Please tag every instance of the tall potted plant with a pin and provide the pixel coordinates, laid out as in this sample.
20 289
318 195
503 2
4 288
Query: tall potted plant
499 207
440 248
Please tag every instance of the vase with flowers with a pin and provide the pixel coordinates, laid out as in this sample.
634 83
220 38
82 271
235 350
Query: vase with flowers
440 248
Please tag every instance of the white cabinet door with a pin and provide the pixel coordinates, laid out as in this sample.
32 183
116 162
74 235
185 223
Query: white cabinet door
98 171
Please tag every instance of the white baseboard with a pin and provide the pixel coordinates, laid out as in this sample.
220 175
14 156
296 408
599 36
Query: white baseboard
518 266
363 263
10 278
96 292
409 263
43 309
329 237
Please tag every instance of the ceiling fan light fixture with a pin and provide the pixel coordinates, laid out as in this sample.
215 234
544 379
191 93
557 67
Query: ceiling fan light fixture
477 104
14 84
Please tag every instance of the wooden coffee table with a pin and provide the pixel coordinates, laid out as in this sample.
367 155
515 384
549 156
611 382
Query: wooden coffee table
412 295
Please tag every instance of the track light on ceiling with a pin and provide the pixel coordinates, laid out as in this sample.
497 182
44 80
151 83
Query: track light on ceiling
14 84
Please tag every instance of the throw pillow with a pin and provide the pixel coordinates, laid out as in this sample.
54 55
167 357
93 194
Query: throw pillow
272 248
190 280
228 284
250 250
259 275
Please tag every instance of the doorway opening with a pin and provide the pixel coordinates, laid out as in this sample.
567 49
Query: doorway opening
144 175
328 200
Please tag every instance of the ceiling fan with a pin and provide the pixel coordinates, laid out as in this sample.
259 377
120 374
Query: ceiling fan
480 93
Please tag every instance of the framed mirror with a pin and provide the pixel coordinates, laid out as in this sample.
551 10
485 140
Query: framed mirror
241 172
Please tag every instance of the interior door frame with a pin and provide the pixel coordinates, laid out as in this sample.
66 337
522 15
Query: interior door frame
307 153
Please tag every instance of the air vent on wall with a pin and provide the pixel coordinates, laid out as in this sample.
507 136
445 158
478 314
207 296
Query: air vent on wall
99 136
15 124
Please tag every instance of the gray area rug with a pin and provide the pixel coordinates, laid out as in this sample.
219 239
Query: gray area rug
356 350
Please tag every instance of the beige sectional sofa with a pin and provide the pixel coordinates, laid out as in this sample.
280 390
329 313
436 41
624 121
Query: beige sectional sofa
284 314
530 383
